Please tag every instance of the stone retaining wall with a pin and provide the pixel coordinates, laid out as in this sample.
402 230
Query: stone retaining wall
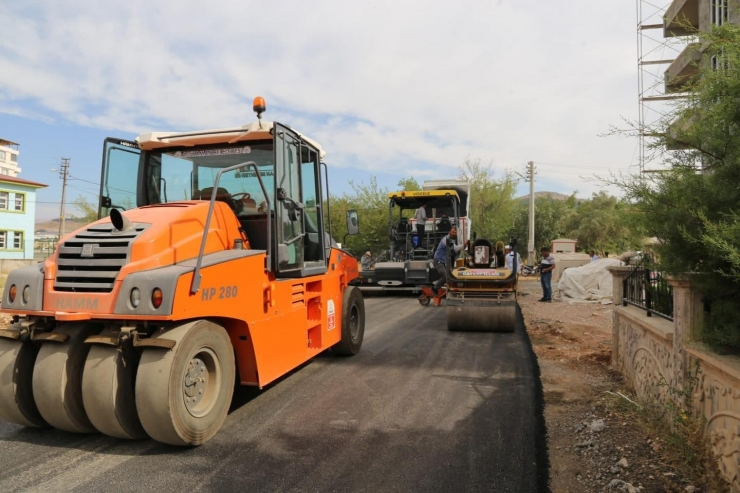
660 359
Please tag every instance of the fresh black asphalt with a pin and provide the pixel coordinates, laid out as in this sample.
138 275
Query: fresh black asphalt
419 409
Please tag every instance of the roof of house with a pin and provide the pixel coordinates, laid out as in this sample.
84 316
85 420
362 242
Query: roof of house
4 142
20 181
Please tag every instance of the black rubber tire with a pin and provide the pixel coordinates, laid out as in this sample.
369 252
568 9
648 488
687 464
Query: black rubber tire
353 323
425 301
57 379
160 400
108 390
16 391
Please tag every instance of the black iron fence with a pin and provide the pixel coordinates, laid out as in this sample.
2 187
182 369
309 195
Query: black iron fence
648 289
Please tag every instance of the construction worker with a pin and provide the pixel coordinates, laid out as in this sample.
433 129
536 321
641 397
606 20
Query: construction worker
510 259
367 261
421 222
440 258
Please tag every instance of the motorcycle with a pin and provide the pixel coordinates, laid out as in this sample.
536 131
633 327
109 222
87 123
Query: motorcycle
530 271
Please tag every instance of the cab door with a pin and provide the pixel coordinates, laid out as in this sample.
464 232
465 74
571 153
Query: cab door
300 236
290 230
119 176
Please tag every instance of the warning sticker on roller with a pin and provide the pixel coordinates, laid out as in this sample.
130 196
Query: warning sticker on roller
331 315
480 272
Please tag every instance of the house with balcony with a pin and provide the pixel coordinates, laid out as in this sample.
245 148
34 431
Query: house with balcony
685 17
9 158
17 217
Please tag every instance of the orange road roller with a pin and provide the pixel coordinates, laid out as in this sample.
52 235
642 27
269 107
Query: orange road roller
211 265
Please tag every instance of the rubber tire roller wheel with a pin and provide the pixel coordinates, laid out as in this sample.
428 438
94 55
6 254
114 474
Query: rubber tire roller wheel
425 301
16 377
353 323
57 379
164 380
108 390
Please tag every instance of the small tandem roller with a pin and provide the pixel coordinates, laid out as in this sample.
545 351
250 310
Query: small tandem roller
481 291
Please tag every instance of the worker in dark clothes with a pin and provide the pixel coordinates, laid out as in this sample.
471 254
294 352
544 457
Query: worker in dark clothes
440 258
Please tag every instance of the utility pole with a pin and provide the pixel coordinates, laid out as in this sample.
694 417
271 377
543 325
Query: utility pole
63 172
530 243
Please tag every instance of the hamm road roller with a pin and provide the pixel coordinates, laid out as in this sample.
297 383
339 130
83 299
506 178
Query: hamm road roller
211 265
481 289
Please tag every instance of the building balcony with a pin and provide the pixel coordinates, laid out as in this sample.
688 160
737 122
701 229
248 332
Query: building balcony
681 18
676 133
683 70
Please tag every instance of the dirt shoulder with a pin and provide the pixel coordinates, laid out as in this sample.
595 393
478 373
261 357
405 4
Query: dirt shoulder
593 444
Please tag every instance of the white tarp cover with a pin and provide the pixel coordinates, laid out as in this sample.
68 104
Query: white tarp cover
590 283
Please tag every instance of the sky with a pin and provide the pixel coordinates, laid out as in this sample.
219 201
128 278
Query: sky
390 89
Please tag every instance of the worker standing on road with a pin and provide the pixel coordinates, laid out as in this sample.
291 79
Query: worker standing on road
510 259
440 259
421 222
367 261
547 265
593 256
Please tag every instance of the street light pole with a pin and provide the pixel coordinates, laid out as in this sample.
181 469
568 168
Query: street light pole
64 173
530 243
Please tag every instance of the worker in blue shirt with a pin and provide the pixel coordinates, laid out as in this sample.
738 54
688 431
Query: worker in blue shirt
440 259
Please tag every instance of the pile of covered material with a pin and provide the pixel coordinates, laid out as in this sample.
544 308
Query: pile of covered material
590 283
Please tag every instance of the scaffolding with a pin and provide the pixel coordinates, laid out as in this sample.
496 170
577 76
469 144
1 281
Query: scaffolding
654 54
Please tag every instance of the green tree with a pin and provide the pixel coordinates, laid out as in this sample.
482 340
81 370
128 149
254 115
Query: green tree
371 203
492 203
602 223
549 214
89 211
409 184
692 208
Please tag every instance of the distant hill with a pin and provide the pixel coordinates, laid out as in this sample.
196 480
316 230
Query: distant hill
51 227
552 195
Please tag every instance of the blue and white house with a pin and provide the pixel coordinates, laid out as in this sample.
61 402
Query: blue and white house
17 216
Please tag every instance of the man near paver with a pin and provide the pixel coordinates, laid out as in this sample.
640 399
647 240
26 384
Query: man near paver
421 222
367 261
547 264
440 258
593 256
510 259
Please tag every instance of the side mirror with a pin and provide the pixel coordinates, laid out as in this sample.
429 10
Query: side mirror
353 223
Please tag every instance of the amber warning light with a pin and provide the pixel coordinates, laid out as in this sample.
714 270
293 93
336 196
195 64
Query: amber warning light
259 106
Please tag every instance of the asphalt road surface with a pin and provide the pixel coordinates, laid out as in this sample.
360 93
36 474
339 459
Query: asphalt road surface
419 409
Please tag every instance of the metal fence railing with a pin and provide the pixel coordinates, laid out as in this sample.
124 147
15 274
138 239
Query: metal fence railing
648 289
44 248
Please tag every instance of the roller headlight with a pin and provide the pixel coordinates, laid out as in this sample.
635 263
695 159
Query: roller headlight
26 294
135 297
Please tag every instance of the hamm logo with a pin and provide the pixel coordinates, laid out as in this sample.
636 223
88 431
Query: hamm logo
69 304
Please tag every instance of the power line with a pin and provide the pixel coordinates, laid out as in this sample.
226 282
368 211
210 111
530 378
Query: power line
607 168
